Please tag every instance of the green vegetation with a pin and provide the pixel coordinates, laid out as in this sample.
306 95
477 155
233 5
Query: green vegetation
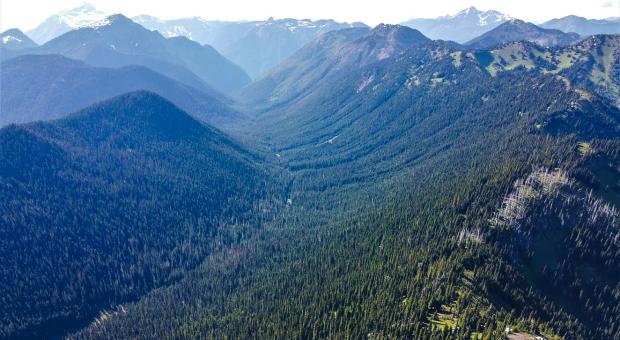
390 234
107 204
436 201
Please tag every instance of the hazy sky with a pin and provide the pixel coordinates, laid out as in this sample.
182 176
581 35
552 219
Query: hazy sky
26 14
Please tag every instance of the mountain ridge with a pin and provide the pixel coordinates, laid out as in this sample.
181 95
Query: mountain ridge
43 87
460 27
583 26
117 41
516 30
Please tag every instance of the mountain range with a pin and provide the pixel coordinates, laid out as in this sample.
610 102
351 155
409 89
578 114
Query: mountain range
117 41
369 183
582 26
422 154
256 46
471 23
46 87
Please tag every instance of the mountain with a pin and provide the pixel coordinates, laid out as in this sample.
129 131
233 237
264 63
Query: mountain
518 30
110 202
582 26
45 87
334 52
461 27
270 42
256 46
14 39
396 188
64 22
214 33
428 198
117 41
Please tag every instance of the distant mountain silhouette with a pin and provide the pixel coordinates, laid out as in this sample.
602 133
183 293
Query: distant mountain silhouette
461 27
583 26
117 41
256 46
518 30
44 87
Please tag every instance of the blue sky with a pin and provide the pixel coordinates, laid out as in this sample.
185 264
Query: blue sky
26 14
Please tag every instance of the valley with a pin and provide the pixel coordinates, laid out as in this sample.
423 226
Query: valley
373 182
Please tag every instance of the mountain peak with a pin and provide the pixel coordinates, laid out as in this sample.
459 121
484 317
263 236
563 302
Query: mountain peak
460 27
114 19
517 22
85 7
519 30
13 31
468 11
385 30
396 35
15 39
82 15
142 112
382 28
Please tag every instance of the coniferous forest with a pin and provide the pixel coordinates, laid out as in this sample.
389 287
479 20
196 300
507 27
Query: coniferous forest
374 184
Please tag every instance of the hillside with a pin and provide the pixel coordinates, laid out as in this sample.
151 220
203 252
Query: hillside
108 203
45 87
329 54
592 63
390 227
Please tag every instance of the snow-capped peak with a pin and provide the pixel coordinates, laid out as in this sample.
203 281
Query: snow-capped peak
489 17
83 15
483 18
467 11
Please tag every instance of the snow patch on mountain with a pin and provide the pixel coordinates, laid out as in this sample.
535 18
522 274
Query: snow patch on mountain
100 23
84 15
9 38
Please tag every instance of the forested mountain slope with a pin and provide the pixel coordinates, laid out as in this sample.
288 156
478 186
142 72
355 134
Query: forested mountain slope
44 87
108 203
334 52
396 225
372 116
